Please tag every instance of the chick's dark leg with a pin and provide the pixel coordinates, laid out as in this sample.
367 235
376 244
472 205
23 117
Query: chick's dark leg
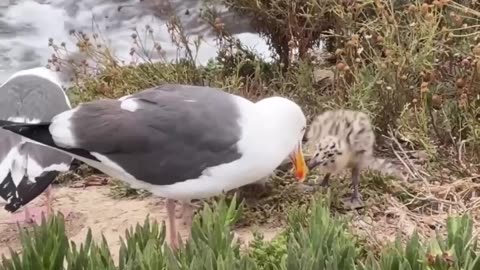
356 198
355 201
326 180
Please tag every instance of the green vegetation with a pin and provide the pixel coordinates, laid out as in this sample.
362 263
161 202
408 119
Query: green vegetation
312 240
413 66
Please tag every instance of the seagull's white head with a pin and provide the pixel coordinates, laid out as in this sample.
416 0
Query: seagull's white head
284 123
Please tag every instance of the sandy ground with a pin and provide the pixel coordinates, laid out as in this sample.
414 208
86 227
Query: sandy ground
93 208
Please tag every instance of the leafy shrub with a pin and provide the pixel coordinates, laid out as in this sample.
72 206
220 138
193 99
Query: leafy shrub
413 65
43 248
413 61
288 25
322 244
267 254
313 240
458 251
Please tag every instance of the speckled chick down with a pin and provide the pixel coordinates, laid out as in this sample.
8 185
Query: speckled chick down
344 139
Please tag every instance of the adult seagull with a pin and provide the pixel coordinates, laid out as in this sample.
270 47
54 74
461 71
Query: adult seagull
179 142
27 169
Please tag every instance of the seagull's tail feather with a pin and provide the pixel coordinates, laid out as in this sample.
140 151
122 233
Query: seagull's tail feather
7 123
39 133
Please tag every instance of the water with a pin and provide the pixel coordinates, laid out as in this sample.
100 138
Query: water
26 26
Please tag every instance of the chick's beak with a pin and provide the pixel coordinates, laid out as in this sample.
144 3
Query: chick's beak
299 164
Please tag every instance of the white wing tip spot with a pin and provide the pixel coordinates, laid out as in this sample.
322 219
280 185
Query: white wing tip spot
21 119
129 105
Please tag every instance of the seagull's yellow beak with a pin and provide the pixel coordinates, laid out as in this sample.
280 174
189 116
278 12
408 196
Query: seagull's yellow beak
299 164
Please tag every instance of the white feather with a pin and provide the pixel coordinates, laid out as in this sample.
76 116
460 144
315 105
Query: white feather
129 104
61 129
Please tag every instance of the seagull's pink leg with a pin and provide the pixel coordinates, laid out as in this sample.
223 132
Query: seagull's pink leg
46 210
49 204
170 204
34 214
29 216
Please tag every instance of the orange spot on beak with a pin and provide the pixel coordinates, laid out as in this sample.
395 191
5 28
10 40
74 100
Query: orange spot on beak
299 165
